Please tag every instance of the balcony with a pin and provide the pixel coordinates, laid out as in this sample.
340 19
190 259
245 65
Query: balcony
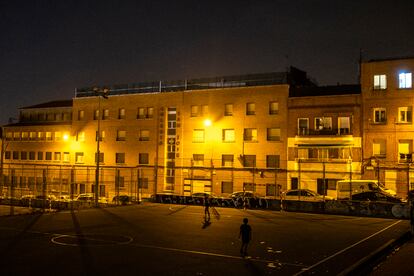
324 132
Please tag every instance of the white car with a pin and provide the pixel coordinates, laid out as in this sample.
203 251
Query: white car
304 195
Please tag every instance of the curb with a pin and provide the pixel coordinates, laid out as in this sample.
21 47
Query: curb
366 265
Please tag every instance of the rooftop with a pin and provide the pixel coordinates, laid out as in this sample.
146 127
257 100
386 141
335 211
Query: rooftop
51 104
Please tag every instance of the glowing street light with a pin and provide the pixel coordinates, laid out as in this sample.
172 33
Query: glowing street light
65 137
207 122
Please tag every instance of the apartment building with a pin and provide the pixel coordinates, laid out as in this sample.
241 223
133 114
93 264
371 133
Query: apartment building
388 97
324 138
216 135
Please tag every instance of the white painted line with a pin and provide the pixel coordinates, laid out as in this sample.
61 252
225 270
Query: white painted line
345 249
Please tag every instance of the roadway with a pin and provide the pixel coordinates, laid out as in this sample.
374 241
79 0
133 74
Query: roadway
167 239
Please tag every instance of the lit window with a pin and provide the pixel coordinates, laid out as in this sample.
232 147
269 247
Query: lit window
405 150
58 136
66 157
25 135
250 134
81 136
380 82
405 80
96 114
58 156
144 135
379 147
48 136
228 135
198 136
198 159
16 135
105 114
121 114
273 108
79 157
101 137
228 110
33 135
405 114
81 114
121 135
273 134
303 126
150 112
250 109
195 111
380 115
41 136
344 125
9 136
323 123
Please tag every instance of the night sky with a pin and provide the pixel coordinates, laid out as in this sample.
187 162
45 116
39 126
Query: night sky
48 48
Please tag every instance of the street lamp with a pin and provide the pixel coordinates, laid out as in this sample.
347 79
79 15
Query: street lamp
100 93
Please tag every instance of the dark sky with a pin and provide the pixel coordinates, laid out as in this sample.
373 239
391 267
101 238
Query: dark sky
48 48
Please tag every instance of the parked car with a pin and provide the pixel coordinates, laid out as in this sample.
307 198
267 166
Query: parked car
304 195
46 197
123 199
241 194
376 196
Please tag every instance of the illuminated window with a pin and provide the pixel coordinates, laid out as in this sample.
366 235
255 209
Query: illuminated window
405 80
249 161
66 157
303 126
273 134
380 115
81 115
273 108
105 114
58 136
250 134
121 135
142 113
344 125
33 135
227 160
80 136
25 135
198 160
58 156
16 136
228 135
250 109
272 161
121 113
195 111
96 114
143 159
198 136
120 157
9 136
102 136
228 110
380 82
405 150
79 157
405 114
144 135
379 147
323 123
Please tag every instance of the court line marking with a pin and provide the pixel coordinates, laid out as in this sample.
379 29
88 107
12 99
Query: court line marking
304 270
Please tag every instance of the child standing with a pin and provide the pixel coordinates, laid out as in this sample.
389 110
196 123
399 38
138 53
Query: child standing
245 235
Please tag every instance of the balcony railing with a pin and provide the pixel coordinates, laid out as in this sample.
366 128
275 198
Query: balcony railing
324 132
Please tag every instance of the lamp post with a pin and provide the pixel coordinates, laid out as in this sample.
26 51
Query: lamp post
104 93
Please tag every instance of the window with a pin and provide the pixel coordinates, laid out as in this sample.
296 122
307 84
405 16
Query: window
273 134
121 135
249 161
41 136
227 160
48 155
58 136
380 82
303 126
380 116
405 80
48 136
250 187
228 110
9 136
226 187
96 114
16 136
143 182
228 135
81 115
405 114
379 147
33 136
143 159
58 156
102 136
273 108
15 155
120 157
323 123
250 109
79 157
250 134
144 135
80 137
204 110
23 155
270 190
32 155
198 160
121 113
25 135
101 157
344 125
272 161
145 112
405 150
7 155
105 114
198 136
195 109
66 157
150 112
40 155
